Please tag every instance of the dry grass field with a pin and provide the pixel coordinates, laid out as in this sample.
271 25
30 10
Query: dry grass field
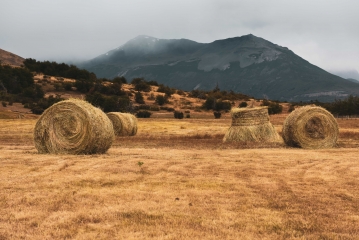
176 180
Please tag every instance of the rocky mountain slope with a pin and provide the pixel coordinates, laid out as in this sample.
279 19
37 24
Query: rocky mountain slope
247 64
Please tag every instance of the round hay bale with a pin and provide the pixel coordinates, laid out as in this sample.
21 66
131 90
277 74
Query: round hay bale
310 127
251 124
73 127
124 124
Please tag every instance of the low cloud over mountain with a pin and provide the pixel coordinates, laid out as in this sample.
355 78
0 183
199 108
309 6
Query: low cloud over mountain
247 64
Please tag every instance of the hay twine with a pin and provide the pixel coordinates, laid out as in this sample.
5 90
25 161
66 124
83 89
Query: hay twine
310 127
251 125
124 124
73 127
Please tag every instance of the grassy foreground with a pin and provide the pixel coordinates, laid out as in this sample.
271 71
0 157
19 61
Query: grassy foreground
177 180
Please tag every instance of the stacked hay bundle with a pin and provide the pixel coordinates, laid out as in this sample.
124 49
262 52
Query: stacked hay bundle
73 127
124 124
251 124
310 127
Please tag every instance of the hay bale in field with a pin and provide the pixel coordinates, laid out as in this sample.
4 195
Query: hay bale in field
310 127
124 124
251 124
73 127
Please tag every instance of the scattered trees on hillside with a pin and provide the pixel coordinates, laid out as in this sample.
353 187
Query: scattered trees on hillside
15 80
212 103
141 85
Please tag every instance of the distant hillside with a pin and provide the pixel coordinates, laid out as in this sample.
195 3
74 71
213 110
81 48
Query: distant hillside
9 58
247 64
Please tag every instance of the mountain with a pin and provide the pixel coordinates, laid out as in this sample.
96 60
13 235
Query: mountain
247 64
9 58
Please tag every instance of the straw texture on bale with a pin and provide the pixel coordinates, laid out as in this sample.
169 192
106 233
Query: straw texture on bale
124 124
310 127
251 124
73 127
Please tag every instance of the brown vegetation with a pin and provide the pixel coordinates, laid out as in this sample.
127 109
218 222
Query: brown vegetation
176 179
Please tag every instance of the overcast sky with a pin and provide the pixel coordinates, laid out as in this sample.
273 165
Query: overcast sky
324 32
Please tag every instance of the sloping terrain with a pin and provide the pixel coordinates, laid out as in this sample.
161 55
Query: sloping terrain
9 58
247 64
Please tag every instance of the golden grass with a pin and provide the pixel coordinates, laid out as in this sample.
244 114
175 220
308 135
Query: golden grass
189 186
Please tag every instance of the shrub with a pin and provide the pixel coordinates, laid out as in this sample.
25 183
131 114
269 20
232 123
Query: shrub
181 92
154 108
178 115
152 83
167 90
161 100
143 114
3 104
169 109
188 116
139 98
143 107
151 97
273 107
217 115
243 105
222 105
210 103
119 80
141 85
67 86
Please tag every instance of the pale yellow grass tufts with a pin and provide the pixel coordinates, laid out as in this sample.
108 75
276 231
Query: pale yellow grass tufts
251 125
124 124
310 127
73 127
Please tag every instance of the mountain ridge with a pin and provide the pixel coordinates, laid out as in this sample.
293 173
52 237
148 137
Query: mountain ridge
9 58
247 64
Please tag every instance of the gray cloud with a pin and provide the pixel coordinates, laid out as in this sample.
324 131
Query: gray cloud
322 32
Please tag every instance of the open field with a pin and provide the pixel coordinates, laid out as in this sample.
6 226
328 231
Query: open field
176 180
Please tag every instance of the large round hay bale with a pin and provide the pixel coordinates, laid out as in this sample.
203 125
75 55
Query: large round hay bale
73 127
124 124
310 127
251 125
